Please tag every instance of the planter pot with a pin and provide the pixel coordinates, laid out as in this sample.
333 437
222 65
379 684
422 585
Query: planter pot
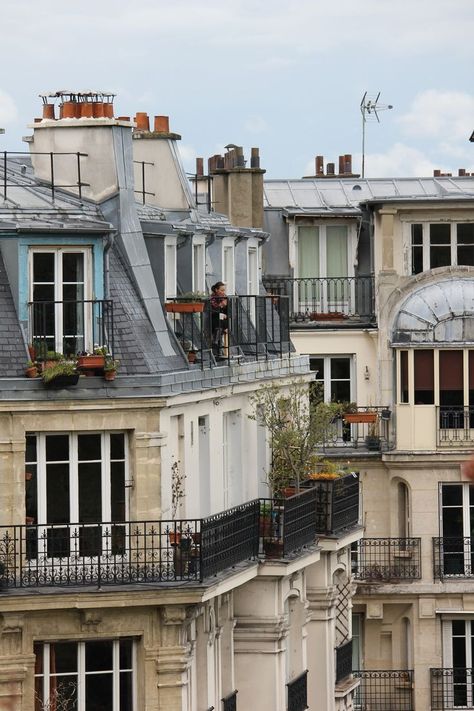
110 374
289 491
332 316
372 443
62 381
386 414
185 307
360 417
174 538
93 362
31 372
273 549
29 520
192 357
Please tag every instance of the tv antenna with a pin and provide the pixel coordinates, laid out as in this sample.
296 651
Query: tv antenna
369 108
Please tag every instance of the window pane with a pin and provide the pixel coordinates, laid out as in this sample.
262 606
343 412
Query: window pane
43 266
317 364
99 692
89 447
90 492
118 491
416 249
340 368
117 446
99 656
126 690
452 495
30 448
57 493
440 245
64 657
336 251
404 376
57 448
340 391
424 377
126 646
73 267
308 252
465 238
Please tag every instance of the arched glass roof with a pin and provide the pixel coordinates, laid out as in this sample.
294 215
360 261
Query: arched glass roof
439 313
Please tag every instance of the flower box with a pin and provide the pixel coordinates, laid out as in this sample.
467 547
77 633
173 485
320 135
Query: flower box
184 307
360 417
91 362
62 381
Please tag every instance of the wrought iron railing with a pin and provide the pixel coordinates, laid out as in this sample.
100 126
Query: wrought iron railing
127 552
343 661
71 327
337 503
229 537
287 525
383 690
365 429
48 162
250 327
452 688
297 691
386 559
453 557
319 299
455 426
229 703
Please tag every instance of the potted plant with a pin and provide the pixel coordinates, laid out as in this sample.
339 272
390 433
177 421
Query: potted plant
93 361
189 302
51 358
177 493
110 368
61 375
353 416
31 370
372 441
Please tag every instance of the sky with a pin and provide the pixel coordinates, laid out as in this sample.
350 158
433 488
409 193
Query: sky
287 76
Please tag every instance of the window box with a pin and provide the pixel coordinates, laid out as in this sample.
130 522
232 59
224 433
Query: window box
91 362
62 381
360 417
185 307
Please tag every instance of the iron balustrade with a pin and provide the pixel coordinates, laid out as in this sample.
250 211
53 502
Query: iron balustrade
343 661
455 426
229 703
297 692
346 433
128 552
250 327
70 327
383 690
317 298
453 557
452 688
337 503
229 537
387 559
287 525
21 181
143 192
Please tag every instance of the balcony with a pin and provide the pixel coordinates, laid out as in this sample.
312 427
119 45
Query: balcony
455 426
70 327
125 553
383 690
452 688
229 703
337 504
326 301
253 328
343 661
365 430
387 559
453 558
297 691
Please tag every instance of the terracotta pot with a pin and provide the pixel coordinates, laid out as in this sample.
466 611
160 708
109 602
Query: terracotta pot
87 109
98 109
110 374
31 372
29 520
289 491
162 124
175 537
69 109
191 357
185 307
91 361
142 121
109 111
273 549
360 417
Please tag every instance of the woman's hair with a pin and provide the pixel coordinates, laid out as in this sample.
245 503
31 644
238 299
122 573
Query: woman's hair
217 286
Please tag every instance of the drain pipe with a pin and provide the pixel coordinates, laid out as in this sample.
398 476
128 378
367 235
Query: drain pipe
109 241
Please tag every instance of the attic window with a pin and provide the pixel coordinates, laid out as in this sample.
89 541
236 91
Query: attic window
356 187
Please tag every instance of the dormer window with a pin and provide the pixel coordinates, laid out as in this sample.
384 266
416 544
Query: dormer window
441 244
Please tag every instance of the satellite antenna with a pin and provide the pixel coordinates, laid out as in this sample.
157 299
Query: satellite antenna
369 108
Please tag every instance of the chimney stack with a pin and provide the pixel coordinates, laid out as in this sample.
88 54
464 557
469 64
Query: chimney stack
162 124
199 167
461 172
348 164
330 169
142 121
254 158
319 165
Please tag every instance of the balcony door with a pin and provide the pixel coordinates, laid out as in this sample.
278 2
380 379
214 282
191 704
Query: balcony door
459 657
60 285
457 529
323 268
75 496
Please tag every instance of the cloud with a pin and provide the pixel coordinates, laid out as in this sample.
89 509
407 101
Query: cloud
8 109
255 124
443 115
188 156
399 161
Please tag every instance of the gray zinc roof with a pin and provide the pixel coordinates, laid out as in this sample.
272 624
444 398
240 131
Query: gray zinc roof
344 195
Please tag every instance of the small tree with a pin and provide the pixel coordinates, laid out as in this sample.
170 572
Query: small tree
297 425
177 487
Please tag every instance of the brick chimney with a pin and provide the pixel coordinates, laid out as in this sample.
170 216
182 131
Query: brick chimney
238 190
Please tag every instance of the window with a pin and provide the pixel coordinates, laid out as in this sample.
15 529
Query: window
76 479
228 276
252 270
232 458
441 244
170 267
199 265
458 654
424 377
335 374
59 289
85 676
457 528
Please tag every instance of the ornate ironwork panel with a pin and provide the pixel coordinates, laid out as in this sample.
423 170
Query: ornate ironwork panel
384 559
298 693
453 558
452 688
383 690
455 426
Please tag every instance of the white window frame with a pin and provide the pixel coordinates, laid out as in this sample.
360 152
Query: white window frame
81 673
170 266
199 264
58 251
351 246
425 225
228 271
327 373
253 267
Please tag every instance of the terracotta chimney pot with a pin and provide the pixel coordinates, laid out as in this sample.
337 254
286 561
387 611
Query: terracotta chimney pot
98 109
48 111
162 124
199 166
341 165
330 169
108 110
87 109
69 109
319 165
123 118
142 121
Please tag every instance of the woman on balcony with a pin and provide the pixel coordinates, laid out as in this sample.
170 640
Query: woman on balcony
219 320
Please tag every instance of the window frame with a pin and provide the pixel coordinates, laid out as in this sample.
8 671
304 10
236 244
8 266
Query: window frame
170 257
425 225
199 264
228 271
322 237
